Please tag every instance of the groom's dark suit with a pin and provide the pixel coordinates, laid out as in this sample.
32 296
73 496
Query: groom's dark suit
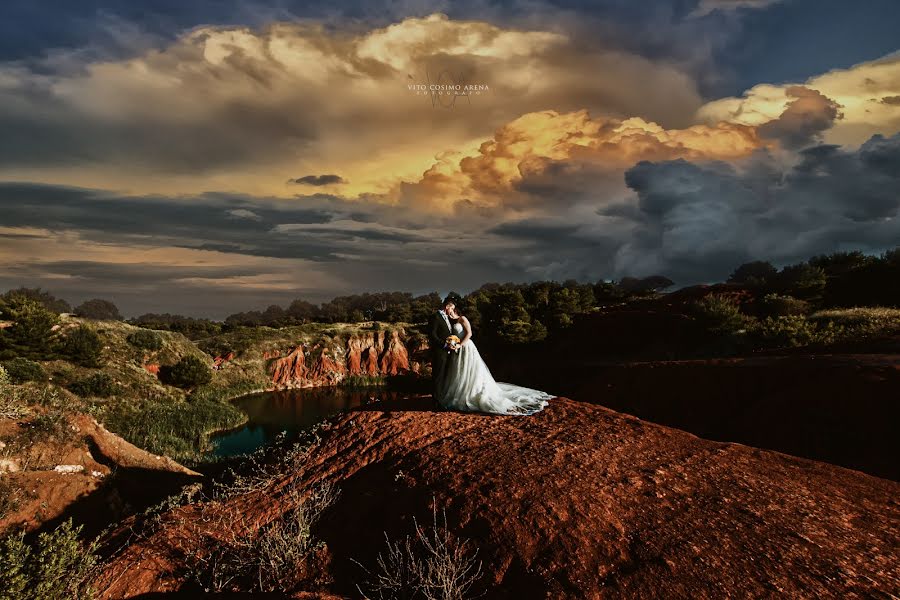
438 332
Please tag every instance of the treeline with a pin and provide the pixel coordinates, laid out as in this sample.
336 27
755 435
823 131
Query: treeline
520 312
840 279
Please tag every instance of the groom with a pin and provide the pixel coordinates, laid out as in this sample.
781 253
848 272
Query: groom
439 330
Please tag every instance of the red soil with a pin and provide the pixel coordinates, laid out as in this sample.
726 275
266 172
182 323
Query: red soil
577 501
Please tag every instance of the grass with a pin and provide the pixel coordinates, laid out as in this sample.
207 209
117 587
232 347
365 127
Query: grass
178 429
249 558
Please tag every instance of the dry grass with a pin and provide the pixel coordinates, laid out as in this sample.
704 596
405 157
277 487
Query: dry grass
249 558
432 564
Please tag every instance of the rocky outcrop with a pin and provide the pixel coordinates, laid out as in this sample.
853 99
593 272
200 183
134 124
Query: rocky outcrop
328 363
95 477
577 501
394 357
292 368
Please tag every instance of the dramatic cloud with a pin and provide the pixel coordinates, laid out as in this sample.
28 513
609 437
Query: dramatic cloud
318 180
858 92
539 150
242 109
694 218
804 120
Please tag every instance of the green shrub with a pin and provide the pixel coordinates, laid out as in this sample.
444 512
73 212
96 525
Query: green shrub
145 339
31 333
861 323
98 385
189 372
21 370
56 566
83 346
719 314
794 331
776 305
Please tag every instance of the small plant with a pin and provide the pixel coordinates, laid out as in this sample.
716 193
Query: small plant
11 402
268 558
146 339
719 314
432 564
98 385
189 372
83 346
21 370
57 565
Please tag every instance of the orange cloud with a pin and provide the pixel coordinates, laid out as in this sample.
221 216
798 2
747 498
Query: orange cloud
529 144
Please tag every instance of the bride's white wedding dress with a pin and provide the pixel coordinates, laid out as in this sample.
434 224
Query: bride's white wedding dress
468 385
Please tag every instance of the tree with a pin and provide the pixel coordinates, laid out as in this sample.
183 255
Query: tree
802 280
31 332
302 311
98 310
83 346
189 372
756 273
839 263
49 301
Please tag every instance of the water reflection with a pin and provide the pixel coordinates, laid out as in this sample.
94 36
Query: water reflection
291 411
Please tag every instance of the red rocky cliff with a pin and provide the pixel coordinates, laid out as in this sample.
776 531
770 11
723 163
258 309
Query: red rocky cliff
373 354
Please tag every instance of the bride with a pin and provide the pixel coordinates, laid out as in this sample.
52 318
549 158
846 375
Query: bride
462 381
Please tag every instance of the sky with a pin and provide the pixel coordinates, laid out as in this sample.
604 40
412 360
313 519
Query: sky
211 156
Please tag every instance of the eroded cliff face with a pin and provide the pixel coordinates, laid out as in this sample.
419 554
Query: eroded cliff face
372 354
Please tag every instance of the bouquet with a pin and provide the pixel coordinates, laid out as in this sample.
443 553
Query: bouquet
451 344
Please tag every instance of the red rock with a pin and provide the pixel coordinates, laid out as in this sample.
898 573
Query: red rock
326 370
394 359
354 355
152 368
291 369
577 501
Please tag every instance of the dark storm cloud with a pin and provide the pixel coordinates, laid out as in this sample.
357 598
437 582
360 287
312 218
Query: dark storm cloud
892 100
696 222
318 180
808 115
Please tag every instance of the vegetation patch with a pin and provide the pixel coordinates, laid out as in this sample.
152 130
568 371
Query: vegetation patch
56 565
179 429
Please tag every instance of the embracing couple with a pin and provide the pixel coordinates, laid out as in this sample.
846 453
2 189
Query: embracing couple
462 381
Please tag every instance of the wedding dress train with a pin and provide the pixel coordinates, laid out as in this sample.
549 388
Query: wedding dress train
468 385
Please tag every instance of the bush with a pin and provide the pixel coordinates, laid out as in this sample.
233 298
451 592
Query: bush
56 566
433 564
21 370
189 372
794 331
146 339
31 333
99 310
775 305
861 323
46 299
98 385
719 314
83 346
